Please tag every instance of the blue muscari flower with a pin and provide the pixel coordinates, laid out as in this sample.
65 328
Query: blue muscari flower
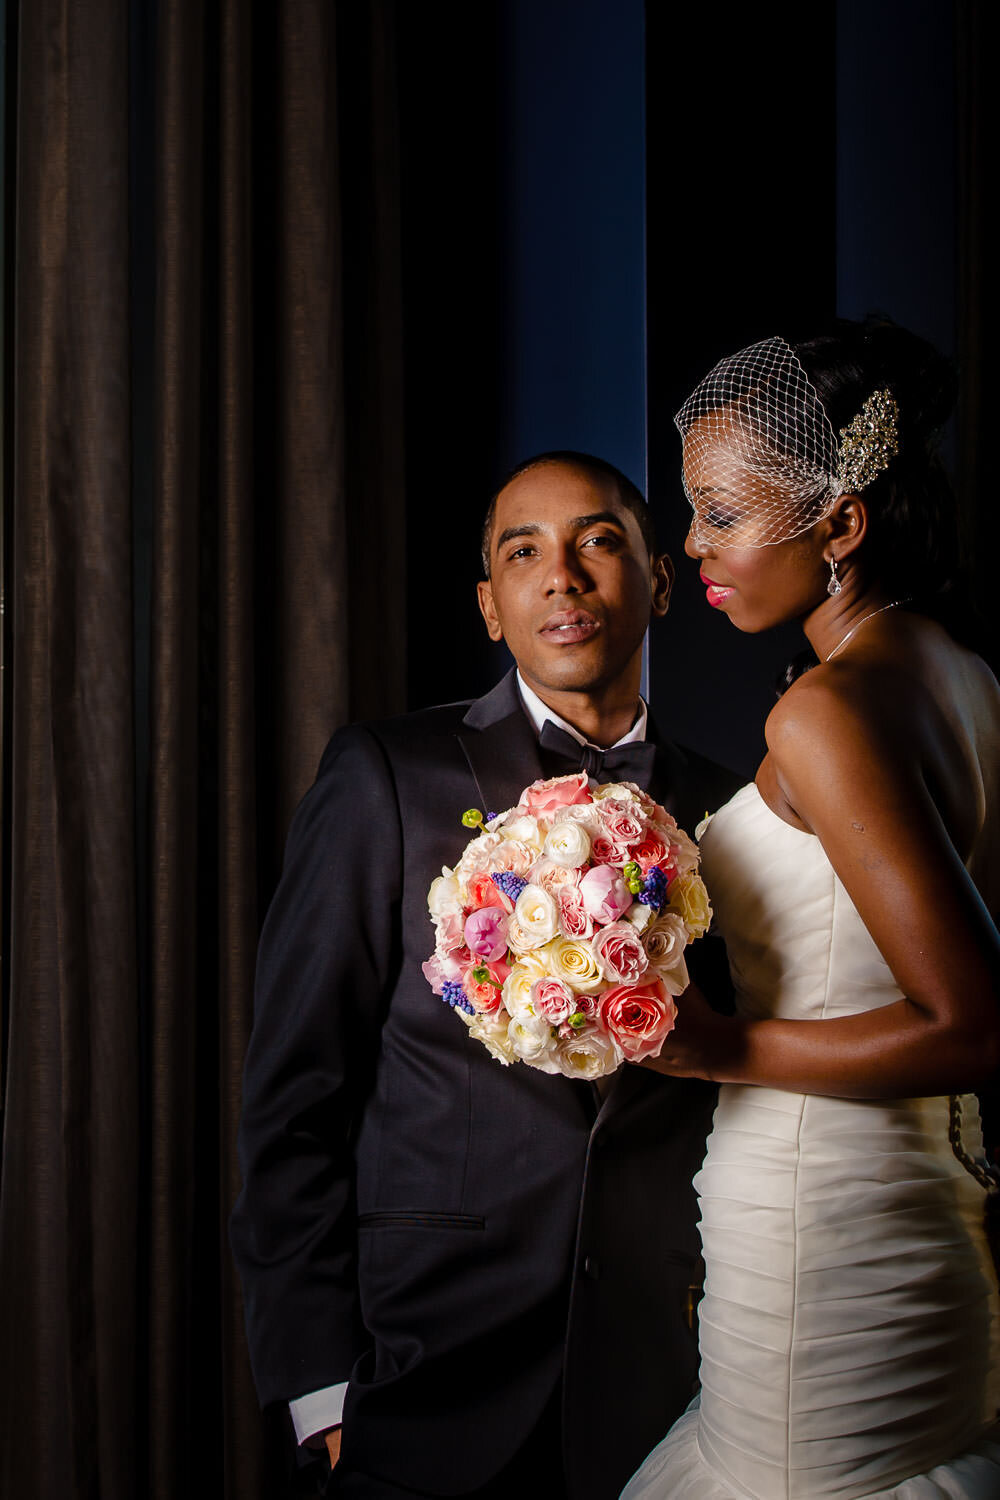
512 885
654 889
453 994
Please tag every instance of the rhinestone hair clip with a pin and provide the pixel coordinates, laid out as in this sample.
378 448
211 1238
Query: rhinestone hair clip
869 443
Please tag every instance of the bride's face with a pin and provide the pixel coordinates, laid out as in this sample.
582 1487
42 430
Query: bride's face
756 584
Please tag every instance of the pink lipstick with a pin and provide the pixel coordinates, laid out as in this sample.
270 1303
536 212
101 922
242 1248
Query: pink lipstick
714 593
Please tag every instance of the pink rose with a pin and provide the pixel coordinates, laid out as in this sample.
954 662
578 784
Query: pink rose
638 1017
554 878
486 932
605 894
622 823
652 851
553 1000
486 995
543 798
483 891
620 952
574 919
604 851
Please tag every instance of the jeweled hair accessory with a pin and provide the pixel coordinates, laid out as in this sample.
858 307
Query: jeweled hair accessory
762 462
869 443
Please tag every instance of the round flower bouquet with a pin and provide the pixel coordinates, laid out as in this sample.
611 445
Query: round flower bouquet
560 933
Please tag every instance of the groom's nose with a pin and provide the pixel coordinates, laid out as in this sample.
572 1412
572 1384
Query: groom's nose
566 573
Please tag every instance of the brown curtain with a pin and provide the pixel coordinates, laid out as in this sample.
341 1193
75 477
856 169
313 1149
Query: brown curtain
207 421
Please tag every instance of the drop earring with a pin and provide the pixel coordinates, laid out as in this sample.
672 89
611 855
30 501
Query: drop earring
834 586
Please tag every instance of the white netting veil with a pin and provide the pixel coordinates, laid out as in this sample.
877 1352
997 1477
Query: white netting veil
760 455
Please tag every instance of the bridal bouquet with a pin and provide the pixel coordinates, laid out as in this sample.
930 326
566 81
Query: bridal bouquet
560 933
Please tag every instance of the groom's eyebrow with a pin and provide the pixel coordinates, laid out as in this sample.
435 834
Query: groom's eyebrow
578 523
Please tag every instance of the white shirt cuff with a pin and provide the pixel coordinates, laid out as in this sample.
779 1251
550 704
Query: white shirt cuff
318 1411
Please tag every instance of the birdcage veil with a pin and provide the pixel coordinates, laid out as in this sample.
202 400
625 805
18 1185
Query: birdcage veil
762 463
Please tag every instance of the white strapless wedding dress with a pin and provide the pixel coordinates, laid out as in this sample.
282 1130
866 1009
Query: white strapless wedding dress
849 1328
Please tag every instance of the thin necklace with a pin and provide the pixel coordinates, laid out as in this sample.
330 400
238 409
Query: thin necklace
893 604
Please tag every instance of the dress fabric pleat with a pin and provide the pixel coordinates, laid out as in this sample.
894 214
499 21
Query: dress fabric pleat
849 1328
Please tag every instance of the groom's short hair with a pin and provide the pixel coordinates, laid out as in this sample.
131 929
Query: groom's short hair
598 469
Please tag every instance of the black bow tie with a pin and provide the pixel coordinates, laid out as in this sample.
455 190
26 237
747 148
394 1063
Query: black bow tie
632 762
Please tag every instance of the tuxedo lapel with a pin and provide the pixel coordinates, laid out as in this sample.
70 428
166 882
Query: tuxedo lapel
500 746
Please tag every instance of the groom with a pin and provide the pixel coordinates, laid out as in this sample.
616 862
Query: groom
476 1276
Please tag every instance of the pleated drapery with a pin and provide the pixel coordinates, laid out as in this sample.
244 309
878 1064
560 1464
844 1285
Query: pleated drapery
207 424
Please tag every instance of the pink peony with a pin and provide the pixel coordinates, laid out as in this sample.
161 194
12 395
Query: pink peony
638 1017
543 798
605 894
620 952
486 932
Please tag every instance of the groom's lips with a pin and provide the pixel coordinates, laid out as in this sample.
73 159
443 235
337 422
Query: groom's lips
715 593
568 627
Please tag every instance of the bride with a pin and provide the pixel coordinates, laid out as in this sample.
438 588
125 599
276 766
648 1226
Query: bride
849 1328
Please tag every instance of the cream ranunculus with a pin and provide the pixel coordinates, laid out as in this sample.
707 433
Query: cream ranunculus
524 830
568 844
536 919
444 895
531 1040
689 898
574 962
592 1055
639 915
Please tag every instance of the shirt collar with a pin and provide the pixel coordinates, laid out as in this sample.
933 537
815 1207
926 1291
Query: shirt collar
538 712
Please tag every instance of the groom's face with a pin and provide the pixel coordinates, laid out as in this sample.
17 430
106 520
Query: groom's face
571 585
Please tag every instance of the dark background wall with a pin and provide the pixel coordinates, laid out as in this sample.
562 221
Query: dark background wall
598 203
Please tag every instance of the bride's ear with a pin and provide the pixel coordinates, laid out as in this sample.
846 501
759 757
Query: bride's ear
847 526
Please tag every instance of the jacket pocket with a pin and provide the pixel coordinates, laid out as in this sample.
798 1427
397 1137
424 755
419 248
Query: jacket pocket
418 1218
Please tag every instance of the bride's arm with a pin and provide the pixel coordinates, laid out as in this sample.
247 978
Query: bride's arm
851 769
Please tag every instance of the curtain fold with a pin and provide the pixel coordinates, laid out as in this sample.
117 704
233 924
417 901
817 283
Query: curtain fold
69 1202
264 375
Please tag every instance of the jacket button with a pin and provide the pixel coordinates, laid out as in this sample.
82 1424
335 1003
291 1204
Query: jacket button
591 1267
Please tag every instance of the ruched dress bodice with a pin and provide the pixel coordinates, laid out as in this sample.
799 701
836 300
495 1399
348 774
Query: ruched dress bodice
849 1329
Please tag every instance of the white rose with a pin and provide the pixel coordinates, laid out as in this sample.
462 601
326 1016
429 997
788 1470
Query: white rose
592 1055
574 962
531 1040
665 941
443 895
536 918
516 992
568 844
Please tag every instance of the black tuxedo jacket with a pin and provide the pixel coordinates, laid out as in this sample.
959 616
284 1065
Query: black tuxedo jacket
446 1233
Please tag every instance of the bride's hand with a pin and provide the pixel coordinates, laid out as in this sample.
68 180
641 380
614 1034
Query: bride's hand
702 1042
